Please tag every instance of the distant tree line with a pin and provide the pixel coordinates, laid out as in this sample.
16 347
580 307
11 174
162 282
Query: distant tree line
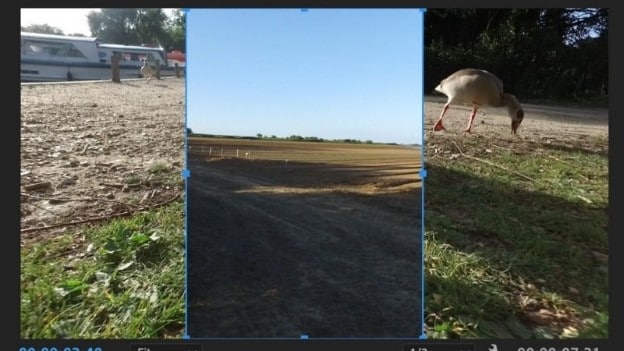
45 28
550 53
135 26
293 137
315 139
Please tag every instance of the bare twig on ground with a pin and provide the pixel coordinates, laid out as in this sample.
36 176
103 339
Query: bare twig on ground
44 209
100 218
53 200
38 186
119 185
492 164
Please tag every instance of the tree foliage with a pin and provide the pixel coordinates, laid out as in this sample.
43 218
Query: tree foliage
177 31
138 26
538 53
134 26
42 28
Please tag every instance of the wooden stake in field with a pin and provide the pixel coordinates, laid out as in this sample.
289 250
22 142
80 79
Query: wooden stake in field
210 151
115 68
221 151
236 153
158 69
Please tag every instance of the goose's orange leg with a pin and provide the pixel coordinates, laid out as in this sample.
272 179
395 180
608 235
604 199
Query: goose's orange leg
438 125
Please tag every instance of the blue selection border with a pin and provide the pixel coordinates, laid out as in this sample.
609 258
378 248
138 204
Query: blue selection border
186 173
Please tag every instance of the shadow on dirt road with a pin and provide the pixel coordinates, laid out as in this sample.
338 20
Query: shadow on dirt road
272 257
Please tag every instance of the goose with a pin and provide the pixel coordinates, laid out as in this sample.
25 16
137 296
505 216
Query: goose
147 71
479 88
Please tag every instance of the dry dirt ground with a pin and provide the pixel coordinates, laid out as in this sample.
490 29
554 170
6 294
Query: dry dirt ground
94 150
552 126
320 248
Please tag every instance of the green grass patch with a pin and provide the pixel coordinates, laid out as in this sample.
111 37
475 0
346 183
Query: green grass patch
124 279
516 240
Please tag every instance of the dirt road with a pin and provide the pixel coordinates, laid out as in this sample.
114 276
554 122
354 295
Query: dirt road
309 249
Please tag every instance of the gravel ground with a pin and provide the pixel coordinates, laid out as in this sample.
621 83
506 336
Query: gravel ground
94 150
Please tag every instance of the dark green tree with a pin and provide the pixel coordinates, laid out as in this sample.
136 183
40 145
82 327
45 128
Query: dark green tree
139 26
116 25
556 53
176 27
150 26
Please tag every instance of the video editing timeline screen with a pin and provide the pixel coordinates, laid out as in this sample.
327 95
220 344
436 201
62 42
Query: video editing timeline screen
406 347
305 216
311 228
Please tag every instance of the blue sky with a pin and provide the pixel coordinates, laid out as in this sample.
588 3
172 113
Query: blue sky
328 73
